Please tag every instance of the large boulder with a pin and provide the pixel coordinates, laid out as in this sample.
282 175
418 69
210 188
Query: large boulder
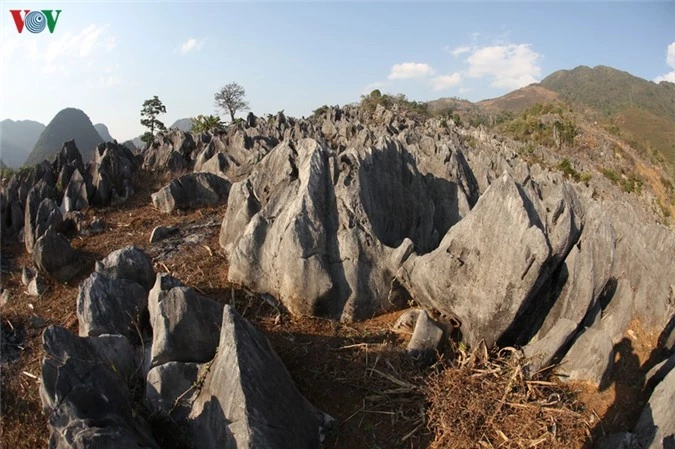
48 215
130 263
192 191
585 272
185 326
644 257
111 306
85 392
325 232
248 399
34 198
111 171
590 358
655 428
53 255
478 275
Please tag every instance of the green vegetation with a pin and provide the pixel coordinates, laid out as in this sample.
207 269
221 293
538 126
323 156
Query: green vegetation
415 109
207 123
542 124
611 91
7 172
566 167
319 111
230 98
151 109
631 184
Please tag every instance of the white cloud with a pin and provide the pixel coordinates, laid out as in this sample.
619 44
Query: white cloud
446 81
191 44
80 45
106 82
459 51
510 66
410 70
670 60
670 76
463 90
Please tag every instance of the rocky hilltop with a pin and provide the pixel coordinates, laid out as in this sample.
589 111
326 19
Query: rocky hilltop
348 215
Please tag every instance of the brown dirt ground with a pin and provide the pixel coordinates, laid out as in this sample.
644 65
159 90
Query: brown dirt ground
355 372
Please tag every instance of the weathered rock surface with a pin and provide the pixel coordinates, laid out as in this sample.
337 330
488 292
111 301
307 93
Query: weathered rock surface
344 220
53 255
248 399
216 380
170 388
655 428
162 232
40 213
589 359
130 263
192 191
186 327
542 352
37 286
111 306
85 392
459 278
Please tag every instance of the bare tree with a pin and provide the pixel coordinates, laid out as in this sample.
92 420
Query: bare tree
230 98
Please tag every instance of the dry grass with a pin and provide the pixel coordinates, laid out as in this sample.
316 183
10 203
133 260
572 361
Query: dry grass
485 401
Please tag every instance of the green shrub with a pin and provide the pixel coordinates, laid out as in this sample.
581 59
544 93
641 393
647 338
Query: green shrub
611 175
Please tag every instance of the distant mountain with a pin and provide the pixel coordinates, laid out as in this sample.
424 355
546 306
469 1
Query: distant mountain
17 139
68 124
611 91
519 100
643 111
184 124
102 131
135 143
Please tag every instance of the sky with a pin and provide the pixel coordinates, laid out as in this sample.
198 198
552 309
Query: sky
106 58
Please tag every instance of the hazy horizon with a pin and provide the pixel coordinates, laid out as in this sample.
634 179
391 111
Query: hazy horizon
106 58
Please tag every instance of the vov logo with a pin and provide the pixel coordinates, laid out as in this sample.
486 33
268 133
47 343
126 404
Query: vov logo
35 21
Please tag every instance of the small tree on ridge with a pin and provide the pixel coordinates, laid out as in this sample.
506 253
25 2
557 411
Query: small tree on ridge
230 98
151 109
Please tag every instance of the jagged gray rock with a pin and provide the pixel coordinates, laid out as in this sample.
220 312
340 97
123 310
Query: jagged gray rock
76 194
459 278
53 255
659 372
584 273
37 286
655 428
426 339
540 353
185 326
590 358
34 202
321 231
111 171
170 388
248 399
644 255
162 232
85 392
111 306
130 263
192 191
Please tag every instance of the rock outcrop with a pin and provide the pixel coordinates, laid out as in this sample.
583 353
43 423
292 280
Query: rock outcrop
192 191
209 371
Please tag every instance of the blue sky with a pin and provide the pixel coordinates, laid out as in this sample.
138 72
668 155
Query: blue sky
106 58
